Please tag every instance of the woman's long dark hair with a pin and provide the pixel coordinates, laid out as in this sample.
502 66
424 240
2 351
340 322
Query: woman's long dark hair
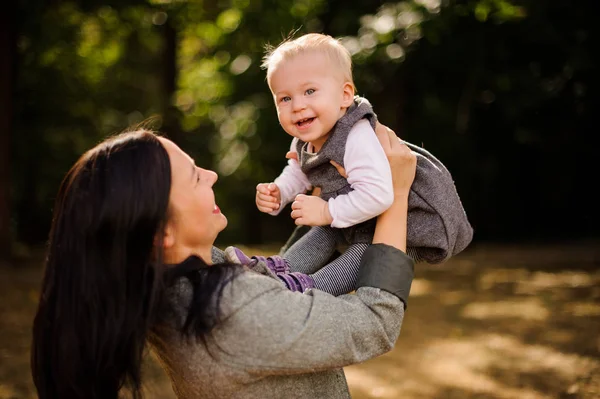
103 274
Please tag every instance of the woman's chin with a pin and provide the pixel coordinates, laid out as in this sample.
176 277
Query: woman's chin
224 224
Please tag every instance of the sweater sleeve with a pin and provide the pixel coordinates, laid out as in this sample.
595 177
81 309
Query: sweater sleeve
277 331
369 175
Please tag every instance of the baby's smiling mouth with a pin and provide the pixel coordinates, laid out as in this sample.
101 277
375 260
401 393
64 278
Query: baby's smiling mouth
304 121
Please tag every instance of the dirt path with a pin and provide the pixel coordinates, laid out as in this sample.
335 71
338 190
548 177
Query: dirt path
495 322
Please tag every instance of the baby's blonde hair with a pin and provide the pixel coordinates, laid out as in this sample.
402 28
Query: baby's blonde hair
289 48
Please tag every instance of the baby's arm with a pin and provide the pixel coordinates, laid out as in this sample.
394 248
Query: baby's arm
369 175
291 182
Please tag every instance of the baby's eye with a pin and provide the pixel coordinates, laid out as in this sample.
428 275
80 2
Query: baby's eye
310 91
285 99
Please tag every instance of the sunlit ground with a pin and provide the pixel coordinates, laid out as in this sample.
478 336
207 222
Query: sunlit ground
495 322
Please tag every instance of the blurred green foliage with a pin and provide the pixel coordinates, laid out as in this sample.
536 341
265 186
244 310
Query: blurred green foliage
497 89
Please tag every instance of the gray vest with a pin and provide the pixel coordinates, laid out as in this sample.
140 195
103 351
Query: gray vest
438 227
322 174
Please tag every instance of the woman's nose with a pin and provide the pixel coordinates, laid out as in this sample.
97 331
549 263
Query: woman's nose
210 176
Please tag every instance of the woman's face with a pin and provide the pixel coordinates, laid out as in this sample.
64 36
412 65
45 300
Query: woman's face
195 220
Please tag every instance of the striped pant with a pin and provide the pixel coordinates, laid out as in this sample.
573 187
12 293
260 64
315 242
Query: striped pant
311 253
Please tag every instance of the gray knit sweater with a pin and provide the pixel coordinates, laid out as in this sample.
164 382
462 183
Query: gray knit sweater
274 343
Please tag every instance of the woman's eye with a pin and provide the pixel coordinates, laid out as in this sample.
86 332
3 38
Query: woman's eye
310 91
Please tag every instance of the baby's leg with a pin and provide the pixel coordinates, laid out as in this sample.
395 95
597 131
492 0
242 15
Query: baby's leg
297 234
312 251
339 277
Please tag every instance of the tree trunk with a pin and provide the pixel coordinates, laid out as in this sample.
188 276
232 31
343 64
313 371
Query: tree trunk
7 57
169 82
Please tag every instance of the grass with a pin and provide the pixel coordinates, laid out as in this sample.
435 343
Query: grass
494 322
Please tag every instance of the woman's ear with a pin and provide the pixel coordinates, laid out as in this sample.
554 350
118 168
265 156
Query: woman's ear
168 237
348 94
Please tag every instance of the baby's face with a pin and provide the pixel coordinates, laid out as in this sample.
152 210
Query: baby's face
310 95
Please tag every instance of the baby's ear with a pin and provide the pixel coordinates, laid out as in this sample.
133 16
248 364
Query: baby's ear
348 94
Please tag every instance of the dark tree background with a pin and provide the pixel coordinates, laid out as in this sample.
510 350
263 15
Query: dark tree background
503 92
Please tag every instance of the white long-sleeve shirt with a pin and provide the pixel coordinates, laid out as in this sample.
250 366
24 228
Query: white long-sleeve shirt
368 173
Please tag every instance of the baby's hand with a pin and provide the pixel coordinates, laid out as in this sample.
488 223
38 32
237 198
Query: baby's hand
268 197
309 210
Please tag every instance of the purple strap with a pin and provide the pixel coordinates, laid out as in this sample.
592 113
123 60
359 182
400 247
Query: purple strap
304 281
275 263
289 282
279 264
297 282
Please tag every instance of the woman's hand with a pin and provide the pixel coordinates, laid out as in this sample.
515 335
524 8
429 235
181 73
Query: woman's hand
402 161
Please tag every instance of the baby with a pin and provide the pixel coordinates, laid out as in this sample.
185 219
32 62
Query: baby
311 81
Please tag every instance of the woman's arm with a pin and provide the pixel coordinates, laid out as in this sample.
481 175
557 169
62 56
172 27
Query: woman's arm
391 225
270 330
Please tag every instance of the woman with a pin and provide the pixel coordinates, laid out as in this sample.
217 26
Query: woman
129 261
